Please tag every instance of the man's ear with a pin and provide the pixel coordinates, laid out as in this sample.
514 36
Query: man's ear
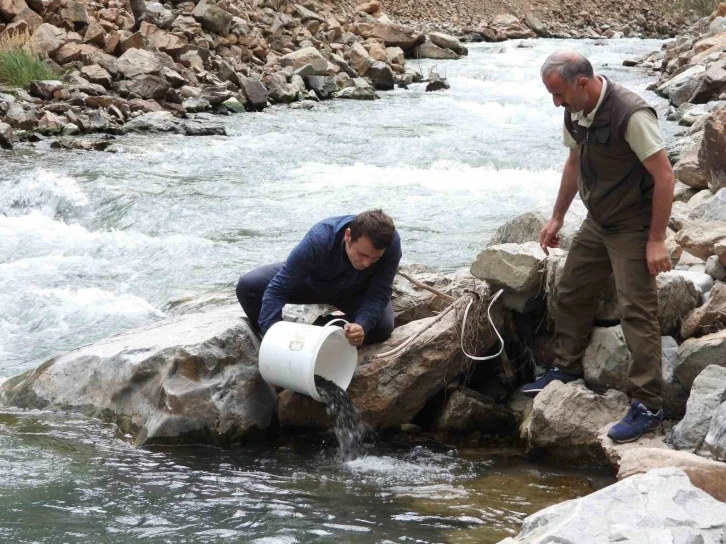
346 236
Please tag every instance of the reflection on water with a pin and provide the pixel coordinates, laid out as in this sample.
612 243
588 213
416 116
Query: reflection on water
71 479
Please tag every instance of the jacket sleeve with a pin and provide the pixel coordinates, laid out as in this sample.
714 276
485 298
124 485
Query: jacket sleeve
379 291
301 261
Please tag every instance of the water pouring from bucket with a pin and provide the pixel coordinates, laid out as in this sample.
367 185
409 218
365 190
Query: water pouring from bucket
292 354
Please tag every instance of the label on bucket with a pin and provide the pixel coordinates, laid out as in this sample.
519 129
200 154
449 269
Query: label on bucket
297 343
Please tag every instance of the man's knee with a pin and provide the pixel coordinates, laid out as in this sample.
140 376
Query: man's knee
383 329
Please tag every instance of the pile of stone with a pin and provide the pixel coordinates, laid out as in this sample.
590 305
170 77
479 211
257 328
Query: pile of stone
498 20
120 62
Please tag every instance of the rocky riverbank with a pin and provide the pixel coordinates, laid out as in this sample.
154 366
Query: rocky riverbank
130 66
159 68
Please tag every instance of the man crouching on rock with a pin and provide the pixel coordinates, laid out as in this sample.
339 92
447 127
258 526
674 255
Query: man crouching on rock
348 262
618 163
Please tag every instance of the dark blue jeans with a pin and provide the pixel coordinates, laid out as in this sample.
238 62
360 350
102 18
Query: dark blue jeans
251 288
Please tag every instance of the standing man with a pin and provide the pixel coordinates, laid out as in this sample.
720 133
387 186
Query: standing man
618 163
348 262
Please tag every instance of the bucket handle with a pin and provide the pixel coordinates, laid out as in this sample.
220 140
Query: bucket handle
333 321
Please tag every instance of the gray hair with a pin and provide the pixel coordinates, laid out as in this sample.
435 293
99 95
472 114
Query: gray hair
569 65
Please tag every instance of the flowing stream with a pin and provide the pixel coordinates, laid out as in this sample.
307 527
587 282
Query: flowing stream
92 244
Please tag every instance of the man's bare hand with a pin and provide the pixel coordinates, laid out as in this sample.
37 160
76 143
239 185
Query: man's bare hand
548 235
658 258
354 333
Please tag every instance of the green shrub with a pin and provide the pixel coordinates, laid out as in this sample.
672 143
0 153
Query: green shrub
19 67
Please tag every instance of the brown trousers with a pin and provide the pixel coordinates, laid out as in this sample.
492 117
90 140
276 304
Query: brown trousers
594 254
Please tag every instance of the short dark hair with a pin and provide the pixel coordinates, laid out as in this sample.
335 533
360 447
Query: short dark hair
376 226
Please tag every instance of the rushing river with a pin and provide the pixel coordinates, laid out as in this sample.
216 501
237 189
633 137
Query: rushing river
92 244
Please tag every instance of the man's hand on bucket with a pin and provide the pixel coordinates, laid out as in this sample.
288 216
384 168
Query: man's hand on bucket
354 333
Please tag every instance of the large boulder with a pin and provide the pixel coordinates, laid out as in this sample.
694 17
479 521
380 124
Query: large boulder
660 506
688 170
707 393
324 86
712 207
677 297
716 437
695 354
155 121
137 62
429 50
381 75
700 238
390 390
146 86
20 118
47 39
397 36
607 359
567 419
192 378
212 17
302 57
7 138
90 54
709 318
164 41
467 411
679 87
712 153
9 9
511 27
280 90
255 93
445 41
705 474
515 267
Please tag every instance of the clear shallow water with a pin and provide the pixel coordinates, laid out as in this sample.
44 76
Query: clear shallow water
92 244
67 479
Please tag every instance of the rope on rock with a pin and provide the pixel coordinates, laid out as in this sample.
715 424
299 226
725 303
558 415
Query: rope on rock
489 315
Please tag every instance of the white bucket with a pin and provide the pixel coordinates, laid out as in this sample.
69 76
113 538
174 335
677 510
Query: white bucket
292 354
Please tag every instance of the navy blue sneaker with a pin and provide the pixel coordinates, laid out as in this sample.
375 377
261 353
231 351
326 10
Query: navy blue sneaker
638 421
554 375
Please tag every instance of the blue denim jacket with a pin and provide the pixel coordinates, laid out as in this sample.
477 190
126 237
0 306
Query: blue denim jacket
320 263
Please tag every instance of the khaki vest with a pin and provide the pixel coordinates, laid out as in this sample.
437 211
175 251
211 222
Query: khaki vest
614 185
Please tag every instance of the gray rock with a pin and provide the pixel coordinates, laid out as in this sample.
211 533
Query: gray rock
466 411
707 393
438 85
157 121
708 318
195 127
280 90
716 437
196 104
659 506
695 354
710 208
715 269
381 75
212 17
683 193
357 93
20 118
147 86
428 50
566 421
136 62
513 266
192 378
677 297
45 89
97 75
535 24
234 105
255 93
7 138
301 58
446 41
324 86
